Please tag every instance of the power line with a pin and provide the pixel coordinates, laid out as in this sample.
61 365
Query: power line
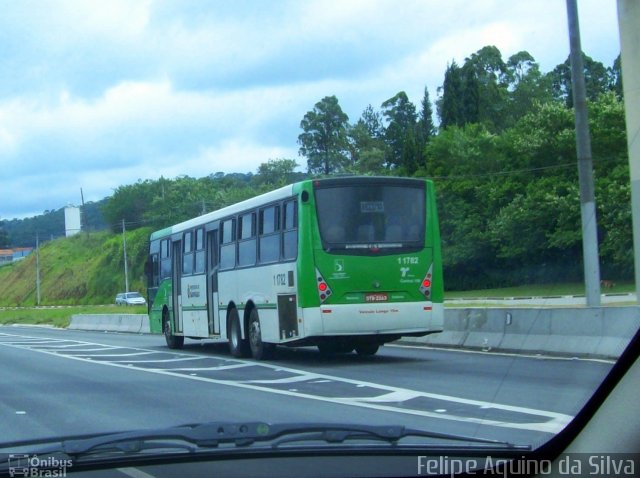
517 171
503 173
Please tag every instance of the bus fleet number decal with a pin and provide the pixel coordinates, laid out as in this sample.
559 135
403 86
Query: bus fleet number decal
279 279
408 260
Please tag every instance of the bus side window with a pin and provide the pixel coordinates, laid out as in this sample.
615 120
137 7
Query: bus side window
200 256
155 270
269 230
247 239
187 260
227 244
165 259
213 239
290 226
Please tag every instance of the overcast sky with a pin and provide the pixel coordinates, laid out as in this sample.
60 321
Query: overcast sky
97 94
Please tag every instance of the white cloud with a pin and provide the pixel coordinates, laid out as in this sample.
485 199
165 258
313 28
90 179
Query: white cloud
100 94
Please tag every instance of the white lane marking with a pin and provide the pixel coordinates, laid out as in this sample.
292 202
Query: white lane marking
62 346
555 421
503 354
204 369
113 355
296 378
149 361
33 342
135 473
79 350
396 396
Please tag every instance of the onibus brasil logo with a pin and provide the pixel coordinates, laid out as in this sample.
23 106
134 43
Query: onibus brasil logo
37 466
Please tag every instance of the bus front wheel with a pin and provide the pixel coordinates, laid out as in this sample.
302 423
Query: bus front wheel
237 345
173 341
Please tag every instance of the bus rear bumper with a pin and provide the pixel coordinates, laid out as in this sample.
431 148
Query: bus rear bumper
392 319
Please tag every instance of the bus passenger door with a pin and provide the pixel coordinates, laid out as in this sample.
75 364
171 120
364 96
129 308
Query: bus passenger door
176 280
212 282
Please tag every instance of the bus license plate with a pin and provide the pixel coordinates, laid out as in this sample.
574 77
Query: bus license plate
376 297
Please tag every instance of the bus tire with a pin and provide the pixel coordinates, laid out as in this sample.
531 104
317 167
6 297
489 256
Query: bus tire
173 341
238 346
259 349
367 348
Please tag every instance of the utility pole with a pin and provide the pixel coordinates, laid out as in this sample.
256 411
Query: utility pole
628 18
83 215
37 269
591 263
124 248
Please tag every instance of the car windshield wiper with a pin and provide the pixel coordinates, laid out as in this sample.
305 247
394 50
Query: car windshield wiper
198 437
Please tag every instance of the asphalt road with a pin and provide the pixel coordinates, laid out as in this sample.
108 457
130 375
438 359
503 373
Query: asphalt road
63 382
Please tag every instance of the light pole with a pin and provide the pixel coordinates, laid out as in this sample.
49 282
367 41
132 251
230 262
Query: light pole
591 263
124 248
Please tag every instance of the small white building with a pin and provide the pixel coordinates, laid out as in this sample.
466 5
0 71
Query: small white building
72 223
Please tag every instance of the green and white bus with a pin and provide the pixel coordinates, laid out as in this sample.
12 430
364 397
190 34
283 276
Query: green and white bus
342 263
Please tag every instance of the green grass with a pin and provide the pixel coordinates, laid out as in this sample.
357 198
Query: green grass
79 270
60 316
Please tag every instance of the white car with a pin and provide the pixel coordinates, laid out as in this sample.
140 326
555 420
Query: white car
130 298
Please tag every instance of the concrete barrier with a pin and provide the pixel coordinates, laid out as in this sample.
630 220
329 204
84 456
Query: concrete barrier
132 323
599 332
82 322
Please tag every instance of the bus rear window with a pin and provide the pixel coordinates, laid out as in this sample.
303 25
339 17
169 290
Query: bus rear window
371 216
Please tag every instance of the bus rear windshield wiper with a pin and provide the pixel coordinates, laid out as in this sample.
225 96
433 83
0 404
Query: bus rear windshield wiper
199 437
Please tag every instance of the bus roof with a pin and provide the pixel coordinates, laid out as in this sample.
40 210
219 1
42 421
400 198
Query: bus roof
281 193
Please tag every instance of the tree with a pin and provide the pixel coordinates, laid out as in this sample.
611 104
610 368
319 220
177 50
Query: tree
470 95
485 88
426 128
543 138
372 121
401 118
367 152
4 237
615 77
475 92
366 144
130 202
527 86
276 172
596 80
324 137
450 109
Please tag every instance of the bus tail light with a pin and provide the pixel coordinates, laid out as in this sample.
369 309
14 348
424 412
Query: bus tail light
425 285
324 291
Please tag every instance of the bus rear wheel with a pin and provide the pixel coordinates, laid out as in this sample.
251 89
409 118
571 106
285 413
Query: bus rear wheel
259 349
173 341
237 345
367 348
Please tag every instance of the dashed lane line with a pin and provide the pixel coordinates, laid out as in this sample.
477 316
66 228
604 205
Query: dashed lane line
220 367
388 398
